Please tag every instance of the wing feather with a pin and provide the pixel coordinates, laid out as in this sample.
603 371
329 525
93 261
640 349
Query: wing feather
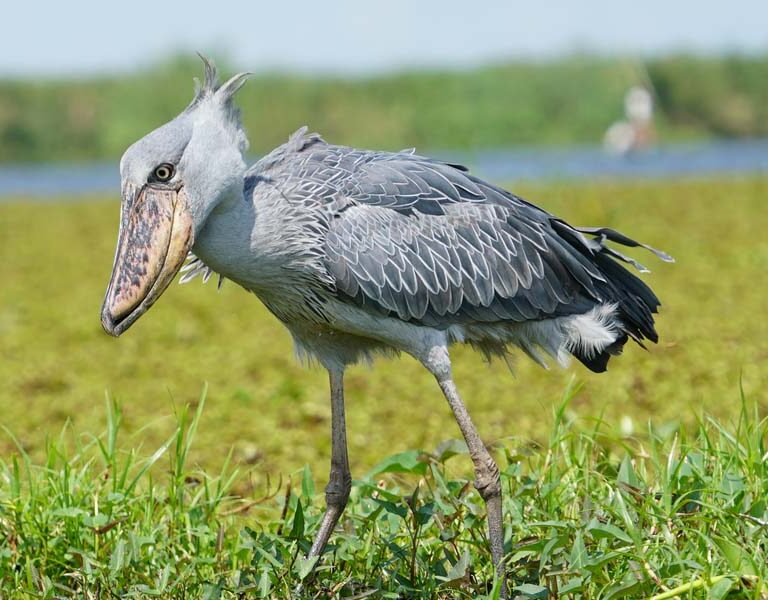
429 242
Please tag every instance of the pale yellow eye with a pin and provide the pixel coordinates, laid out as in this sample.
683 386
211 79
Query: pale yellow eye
163 172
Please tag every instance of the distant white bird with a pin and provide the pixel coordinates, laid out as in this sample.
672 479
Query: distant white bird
636 131
638 105
359 252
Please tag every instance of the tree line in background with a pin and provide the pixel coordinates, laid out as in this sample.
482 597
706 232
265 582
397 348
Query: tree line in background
565 101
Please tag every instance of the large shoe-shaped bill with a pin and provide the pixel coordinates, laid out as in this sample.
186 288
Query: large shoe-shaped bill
156 232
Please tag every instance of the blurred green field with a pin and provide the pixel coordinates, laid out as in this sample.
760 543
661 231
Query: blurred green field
56 363
569 100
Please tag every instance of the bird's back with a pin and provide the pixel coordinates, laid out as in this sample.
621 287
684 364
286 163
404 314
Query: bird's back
427 243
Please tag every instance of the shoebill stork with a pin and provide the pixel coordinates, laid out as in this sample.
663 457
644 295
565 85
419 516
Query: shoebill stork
358 252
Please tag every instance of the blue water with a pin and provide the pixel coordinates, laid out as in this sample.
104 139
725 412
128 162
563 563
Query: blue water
583 162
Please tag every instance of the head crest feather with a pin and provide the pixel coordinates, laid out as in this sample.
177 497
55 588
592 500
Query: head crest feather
211 93
211 89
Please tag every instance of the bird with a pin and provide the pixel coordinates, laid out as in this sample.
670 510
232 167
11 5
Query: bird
360 253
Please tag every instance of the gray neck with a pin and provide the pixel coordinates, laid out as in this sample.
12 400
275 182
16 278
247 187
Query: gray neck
224 242
241 240
260 240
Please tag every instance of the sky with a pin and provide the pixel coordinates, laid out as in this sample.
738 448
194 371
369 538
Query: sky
82 37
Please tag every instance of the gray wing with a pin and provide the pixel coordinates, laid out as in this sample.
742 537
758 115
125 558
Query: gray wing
431 243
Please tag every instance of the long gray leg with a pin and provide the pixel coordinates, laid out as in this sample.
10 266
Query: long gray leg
487 480
340 480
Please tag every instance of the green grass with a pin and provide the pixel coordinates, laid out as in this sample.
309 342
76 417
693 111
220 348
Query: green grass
56 362
588 514
650 495
563 101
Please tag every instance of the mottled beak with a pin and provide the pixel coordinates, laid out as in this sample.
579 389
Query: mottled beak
156 232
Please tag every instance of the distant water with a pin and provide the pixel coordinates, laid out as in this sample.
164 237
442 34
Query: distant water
528 164
588 162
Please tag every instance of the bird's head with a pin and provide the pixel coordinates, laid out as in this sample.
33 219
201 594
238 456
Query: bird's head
171 181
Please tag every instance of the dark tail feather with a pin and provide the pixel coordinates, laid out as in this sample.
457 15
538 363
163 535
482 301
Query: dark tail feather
604 233
599 362
636 301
